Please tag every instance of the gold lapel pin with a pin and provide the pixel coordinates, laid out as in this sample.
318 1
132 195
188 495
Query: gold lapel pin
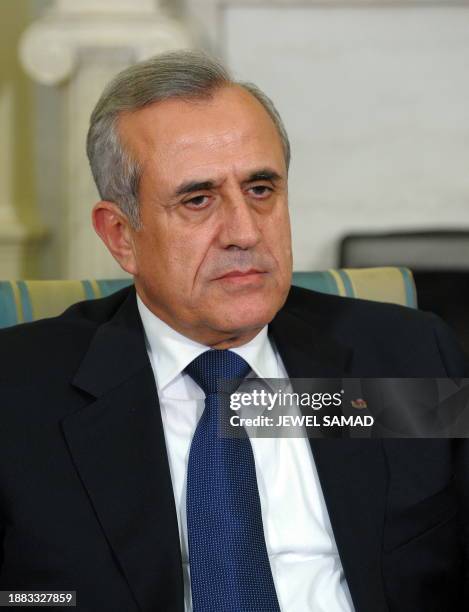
359 403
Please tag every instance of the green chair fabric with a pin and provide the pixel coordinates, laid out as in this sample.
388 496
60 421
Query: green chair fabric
22 301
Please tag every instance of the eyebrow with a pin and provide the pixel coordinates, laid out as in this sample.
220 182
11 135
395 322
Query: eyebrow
191 186
264 174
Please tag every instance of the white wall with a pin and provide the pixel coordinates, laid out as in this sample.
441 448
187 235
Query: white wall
376 101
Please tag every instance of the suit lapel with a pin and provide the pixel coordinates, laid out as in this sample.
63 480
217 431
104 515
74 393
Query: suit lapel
352 471
118 447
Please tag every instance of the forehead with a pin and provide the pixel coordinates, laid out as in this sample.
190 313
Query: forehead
230 128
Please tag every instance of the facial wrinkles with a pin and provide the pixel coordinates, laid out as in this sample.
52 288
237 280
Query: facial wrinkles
212 139
218 148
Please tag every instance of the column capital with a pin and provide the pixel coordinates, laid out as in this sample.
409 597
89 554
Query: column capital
49 49
94 7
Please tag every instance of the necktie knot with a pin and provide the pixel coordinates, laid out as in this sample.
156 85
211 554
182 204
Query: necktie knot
210 367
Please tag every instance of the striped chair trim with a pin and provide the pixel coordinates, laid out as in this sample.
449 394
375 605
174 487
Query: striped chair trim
24 301
391 284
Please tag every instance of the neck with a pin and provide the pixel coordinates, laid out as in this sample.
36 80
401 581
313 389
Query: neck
213 338
234 341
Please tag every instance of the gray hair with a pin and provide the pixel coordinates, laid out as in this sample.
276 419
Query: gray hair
177 74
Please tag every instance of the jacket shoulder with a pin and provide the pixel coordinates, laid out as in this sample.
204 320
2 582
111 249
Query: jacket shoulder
408 338
340 308
56 344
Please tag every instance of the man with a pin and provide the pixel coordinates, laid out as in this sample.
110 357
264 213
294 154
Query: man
112 481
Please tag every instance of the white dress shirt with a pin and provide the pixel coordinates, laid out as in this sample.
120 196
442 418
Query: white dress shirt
305 564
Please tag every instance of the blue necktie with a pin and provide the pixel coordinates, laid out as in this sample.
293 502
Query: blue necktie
229 565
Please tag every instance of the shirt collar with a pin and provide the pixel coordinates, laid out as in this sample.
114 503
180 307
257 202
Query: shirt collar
172 352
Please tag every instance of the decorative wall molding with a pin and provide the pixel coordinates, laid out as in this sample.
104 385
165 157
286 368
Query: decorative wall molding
17 239
78 47
103 6
50 48
19 246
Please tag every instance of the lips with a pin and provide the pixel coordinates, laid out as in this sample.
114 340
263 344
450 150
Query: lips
241 273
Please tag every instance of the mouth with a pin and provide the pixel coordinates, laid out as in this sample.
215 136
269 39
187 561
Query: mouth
241 273
237 277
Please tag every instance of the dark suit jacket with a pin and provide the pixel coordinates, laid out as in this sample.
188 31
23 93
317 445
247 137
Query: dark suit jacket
86 500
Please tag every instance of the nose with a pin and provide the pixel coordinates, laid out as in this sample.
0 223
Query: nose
240 223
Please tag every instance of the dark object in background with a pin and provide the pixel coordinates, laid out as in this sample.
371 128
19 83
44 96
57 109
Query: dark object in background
446 293
421 250
439 261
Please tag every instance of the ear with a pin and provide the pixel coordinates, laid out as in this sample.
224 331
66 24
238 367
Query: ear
114 229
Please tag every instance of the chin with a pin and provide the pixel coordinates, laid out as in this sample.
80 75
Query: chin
244 317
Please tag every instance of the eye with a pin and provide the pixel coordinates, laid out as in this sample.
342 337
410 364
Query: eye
197 201
261 191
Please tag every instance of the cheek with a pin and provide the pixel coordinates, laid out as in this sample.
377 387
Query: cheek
173 263
278 237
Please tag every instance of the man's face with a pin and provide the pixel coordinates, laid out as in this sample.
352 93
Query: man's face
213 257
